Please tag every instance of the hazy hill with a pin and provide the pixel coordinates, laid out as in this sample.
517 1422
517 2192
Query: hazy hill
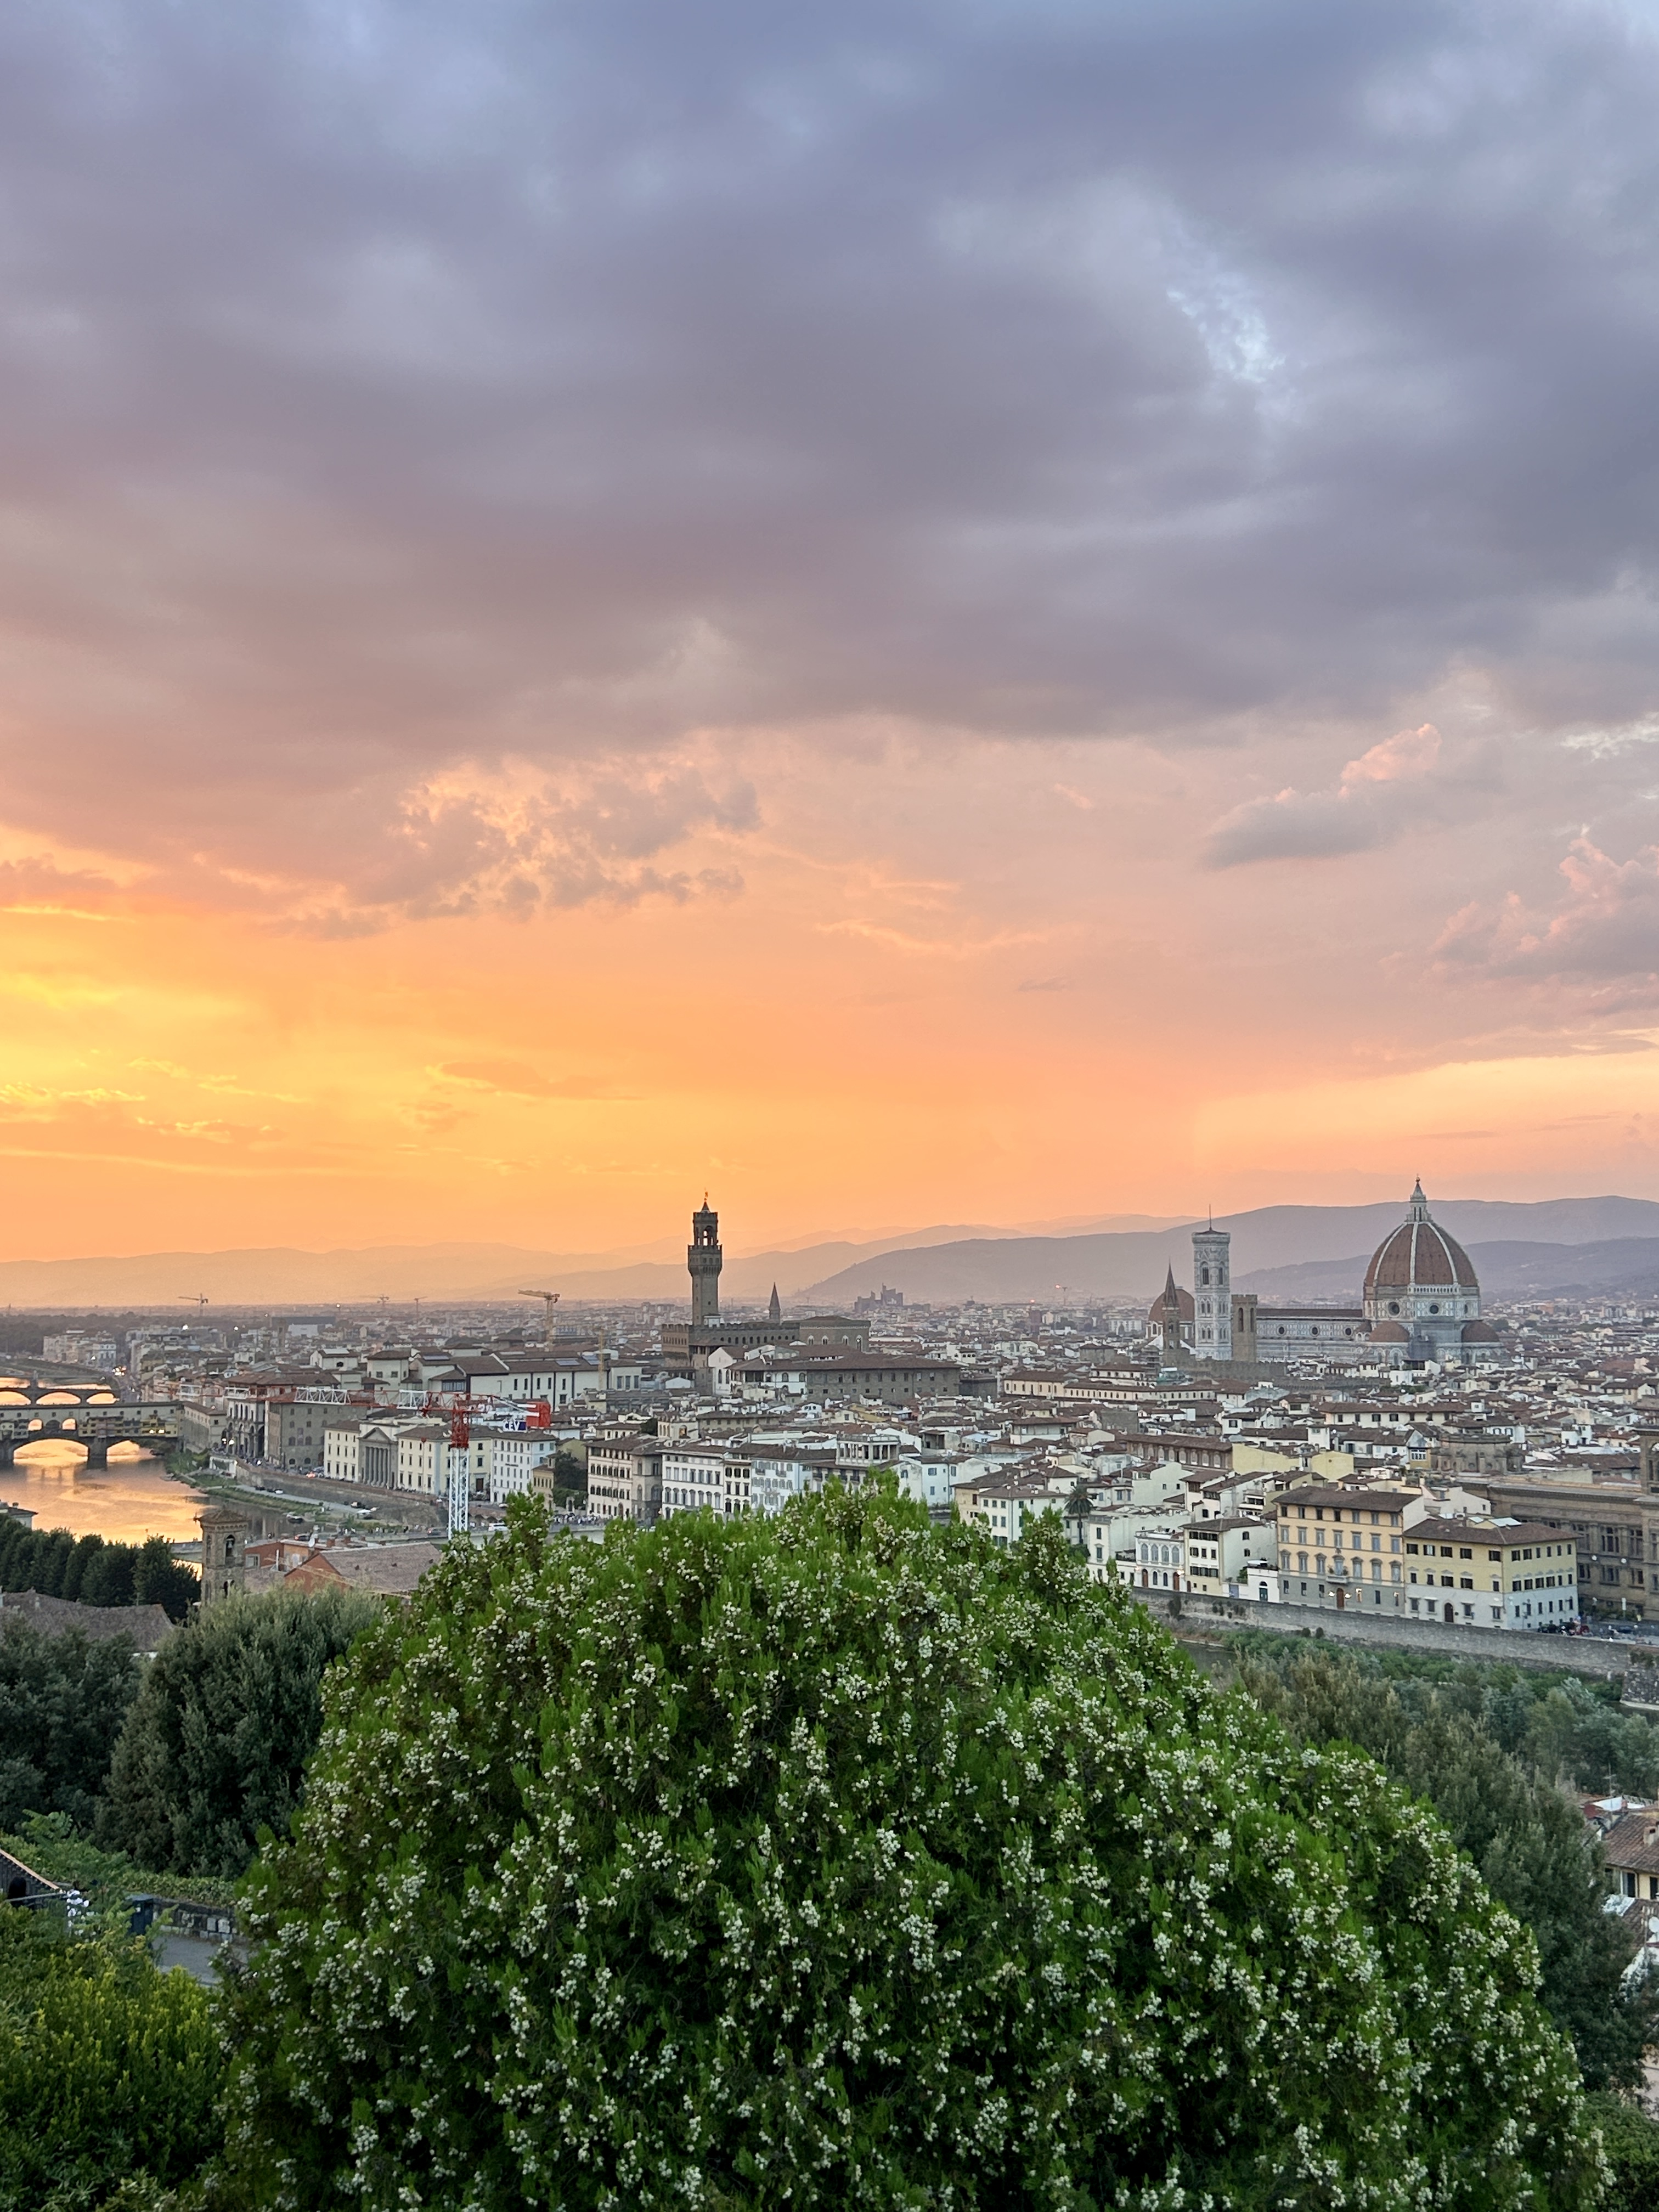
1300 1251
284 1275
1272 1238
1626 1266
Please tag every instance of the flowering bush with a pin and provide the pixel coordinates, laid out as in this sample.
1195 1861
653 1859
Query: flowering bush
837 1861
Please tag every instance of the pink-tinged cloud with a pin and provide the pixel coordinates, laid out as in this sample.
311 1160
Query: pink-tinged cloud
1603 940
724 561
1375 798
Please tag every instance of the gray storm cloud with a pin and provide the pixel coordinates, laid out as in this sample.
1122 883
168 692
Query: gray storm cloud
415 385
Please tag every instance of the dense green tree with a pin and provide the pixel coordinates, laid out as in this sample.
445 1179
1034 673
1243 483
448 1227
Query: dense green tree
56 1563
216 1744
158 1579
569 1478
1446 1743
75 1567
108 2068
53 1558
1631 2143
109 1578
62 1701
834 1860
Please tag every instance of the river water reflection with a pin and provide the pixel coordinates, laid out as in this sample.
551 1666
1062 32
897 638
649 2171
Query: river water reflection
133 1497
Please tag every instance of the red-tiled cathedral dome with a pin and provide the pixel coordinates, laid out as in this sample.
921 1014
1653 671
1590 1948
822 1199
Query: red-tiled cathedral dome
1419 1255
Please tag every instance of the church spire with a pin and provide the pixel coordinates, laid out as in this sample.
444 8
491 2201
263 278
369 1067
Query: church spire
774 1311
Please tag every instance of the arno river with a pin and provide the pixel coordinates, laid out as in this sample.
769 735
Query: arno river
131 1498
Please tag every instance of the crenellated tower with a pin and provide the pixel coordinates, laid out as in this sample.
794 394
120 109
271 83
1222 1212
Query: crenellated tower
704 1258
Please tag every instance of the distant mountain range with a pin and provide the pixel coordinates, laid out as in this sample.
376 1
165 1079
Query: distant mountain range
284 1275
1330 1244
1609 1244
1625 1266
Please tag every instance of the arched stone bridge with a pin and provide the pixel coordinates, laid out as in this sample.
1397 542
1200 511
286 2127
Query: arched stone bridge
96 1420
19 1390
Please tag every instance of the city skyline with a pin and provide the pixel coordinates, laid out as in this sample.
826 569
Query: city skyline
920 619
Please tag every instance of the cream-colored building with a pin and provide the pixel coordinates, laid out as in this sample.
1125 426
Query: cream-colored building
1006 1507
624 1478
693 1479
1344 1545
1223 1556
1493 1574
423 1458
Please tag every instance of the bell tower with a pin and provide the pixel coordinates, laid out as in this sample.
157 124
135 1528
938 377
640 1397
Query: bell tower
1212 1301
704 1258
224 1538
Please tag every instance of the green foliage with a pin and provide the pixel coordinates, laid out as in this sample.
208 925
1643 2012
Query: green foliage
1630 2142
63 1700
216 1744
1486 1752
93 1572
107 1879
833 1860
108 2069
1568 1726
569 1478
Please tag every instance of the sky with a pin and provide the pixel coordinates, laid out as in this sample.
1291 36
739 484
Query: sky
907 613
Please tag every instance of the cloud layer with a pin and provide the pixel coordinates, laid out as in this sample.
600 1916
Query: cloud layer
600 598
430 386
1603 938
1376 798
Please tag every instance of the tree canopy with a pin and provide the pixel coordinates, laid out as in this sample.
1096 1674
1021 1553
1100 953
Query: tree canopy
215 1747
1486 1756
94 1570
837 1859
108 2068
62 1701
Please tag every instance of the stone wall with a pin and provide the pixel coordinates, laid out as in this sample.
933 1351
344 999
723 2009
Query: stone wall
1571 1654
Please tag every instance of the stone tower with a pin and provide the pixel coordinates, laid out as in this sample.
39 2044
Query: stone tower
224 1544
774 1311
1213 1300
1169 1324
704 1259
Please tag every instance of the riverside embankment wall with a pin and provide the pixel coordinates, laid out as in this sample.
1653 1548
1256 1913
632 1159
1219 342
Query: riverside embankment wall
1570 1655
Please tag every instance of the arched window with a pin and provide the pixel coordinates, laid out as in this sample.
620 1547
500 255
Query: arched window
1203 1274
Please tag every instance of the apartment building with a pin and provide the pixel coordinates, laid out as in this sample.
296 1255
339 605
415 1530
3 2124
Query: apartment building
1223 1557
693 1479
624 1478
423 1458
1498 1574
1004 1507
1332 1541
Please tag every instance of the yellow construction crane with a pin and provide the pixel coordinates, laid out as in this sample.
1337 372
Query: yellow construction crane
549 1299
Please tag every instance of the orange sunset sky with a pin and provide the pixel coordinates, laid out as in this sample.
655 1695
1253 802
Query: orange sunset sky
909 618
